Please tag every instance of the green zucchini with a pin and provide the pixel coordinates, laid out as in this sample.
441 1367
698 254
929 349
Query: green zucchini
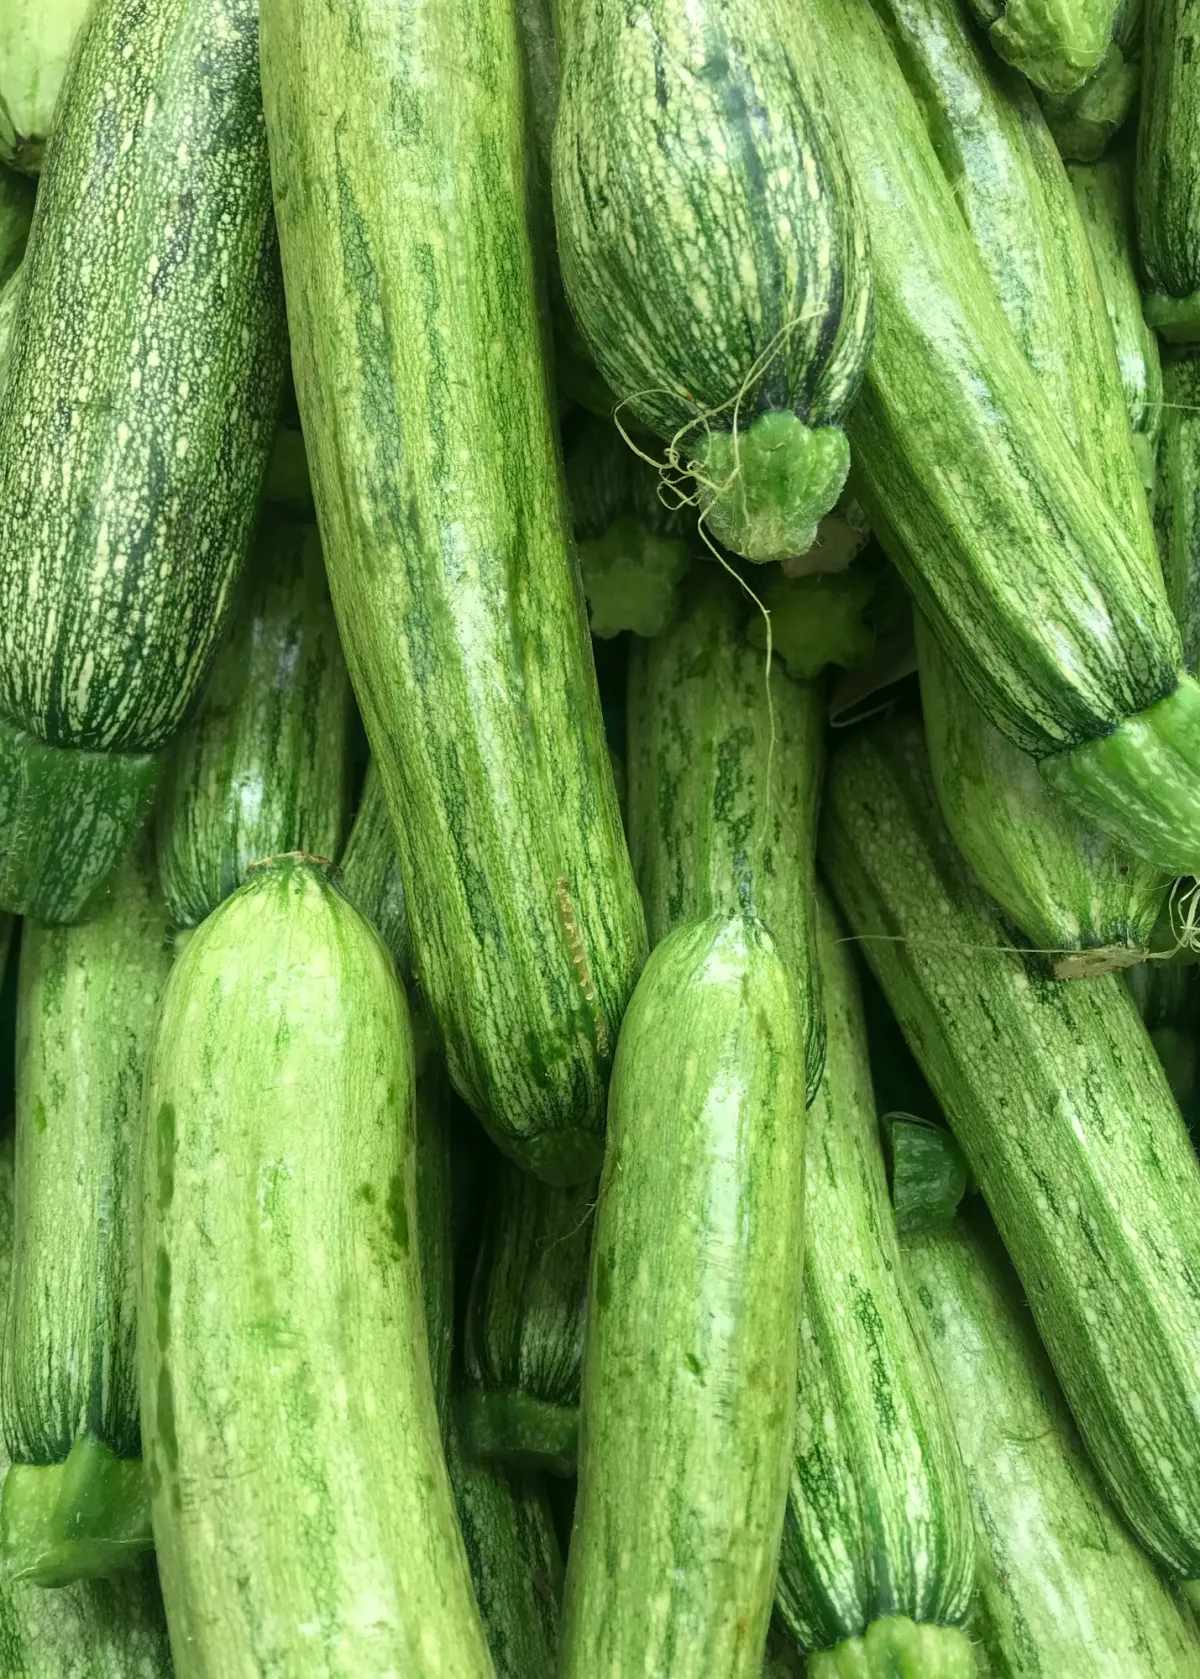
371 872
283 1314
724 770
16 213
457 594
1177 495
36 38
1104 194
1168 169
141 388
878 1522
523 1340
1062 1586
1058 624
74 1502
689 1369
264 766
1057 45
1082 1156
717 264
1083 901
1084 121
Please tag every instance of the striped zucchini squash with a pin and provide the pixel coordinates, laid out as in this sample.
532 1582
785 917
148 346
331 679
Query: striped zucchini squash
1168 169
1063 1589
283 1310
141 386
1082 1156
690 1355
36 38
717 265
16 213
878 1524
1177 495
1058 624
1057 45
264 766
523 1340
371 872
724 772
74 1502
458 598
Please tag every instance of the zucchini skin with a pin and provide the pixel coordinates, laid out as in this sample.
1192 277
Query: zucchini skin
1177 495
1058 46
714 251
36 38
264 766
878 1518
690 1357
371 872
87 997
1084 1160
1062 1586
1168 169
523 1339
458 599
722 821
284 1006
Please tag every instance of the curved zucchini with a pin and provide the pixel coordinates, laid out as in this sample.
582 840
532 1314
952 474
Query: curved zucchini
16 212
690 1357
1059 625
36 38
1062 1587
1083 1158
371 872
74 1502
283 1313
878 1521
1168 169
264 766
141 387
717 263
1083 901
525 1321
723 786
1177 495
457 596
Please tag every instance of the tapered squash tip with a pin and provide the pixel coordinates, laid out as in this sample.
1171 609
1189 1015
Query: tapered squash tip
896 1648
764 490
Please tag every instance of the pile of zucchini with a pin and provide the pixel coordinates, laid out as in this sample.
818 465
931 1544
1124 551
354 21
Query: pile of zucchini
599 839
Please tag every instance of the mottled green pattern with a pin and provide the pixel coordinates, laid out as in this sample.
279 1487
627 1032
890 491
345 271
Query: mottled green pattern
16 213
264 767
1068 888
1059 626
1168 166
302 1513
85 1022
396 148
1056 43
143 379
36 37
371 872
1061 1107
1177 496
722 819
878 1522
1063 1588
689 1370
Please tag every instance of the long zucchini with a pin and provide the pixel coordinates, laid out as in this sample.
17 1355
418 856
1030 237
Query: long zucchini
264 766
1177 495
717 263
878 1521
689 1371
36 38
724 773
1062 1586
1058 624
283 1314
1168 169
73 1502
1059 1103
457 595
140 393
523 1339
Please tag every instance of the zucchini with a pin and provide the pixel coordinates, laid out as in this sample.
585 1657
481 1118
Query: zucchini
1168 169
1057 45
264 766
16 210
1083 1159
36 38
523 1340
1177 495
689 1367
141 388
74 1502
723 786
457 594
1058 624
878 1527
717 263
283 1305
371 872
1062 1586
1084 122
